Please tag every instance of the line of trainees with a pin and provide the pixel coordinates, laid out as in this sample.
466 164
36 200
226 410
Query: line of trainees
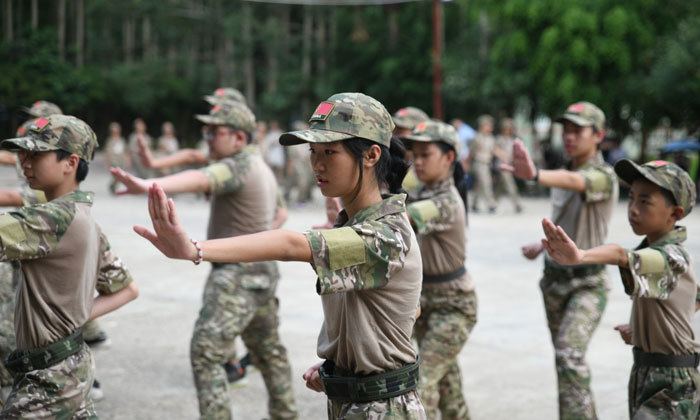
390 267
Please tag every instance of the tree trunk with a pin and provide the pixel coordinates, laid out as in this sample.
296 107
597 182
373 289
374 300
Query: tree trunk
62 29
146 52
393 23
129 40
272 53
643 149
248 70
8 20
321 46
307 37
35 14
80 33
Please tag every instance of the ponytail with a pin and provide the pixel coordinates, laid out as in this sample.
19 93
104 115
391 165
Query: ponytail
391 168
457 173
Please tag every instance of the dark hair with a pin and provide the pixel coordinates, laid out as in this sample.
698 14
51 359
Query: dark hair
391 168
668 195
81 172
457 171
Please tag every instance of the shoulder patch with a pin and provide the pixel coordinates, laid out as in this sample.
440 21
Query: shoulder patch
220 171
11 231
345 248
426 209
322 111
651 261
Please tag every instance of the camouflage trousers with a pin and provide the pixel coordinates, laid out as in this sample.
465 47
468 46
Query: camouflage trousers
403 407
58 392
510 188
447 318
664 393
8 287
574 307
484 185
233 307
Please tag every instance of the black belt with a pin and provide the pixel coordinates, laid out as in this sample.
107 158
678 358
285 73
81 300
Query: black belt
439 278
23 361
367 388
572 271
643 358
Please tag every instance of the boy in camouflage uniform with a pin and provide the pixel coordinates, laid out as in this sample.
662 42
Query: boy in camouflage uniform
583 197
239 299
659 277
479 160
448 300
64 258
503 150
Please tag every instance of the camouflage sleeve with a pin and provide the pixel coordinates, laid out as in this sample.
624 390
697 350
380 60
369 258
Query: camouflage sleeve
600 183
653 272
436 214
113 275
359 257
31 197
33 232
225 176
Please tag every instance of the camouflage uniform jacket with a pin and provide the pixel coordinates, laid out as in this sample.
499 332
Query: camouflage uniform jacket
55 243
661 281
437 212
369 277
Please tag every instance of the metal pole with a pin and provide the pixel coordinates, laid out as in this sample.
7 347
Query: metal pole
437 59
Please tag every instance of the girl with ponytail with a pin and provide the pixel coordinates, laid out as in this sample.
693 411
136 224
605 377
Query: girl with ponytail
448 301
368 265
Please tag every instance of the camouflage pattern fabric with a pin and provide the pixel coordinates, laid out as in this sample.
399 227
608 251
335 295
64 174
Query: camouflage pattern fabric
57 132
406 406
574 307
58 392
410 117
435 131
43 109
666 175
344 116
436 213
600 180
225 94
653 270
365 252
584 114
447 318
227 175
7 318
232 114
664 393
231 307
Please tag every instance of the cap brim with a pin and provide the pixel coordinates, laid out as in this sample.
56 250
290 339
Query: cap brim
25 143
419 138
402 123
207 119
312 136
29 111
580 121
628 171
211 99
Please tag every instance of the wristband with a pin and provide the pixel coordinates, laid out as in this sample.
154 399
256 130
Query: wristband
536 178
200 254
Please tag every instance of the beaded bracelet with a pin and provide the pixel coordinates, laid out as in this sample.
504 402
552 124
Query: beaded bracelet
536 178
200 254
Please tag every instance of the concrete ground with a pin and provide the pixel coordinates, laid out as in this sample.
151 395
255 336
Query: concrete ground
507 364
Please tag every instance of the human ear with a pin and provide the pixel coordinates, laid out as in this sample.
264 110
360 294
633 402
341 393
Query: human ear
372 155
677 213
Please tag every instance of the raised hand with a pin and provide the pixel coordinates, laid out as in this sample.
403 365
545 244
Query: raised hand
532 251
559 246
522 166
132 184
169 237
144 152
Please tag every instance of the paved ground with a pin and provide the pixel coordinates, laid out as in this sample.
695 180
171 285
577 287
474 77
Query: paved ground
507 364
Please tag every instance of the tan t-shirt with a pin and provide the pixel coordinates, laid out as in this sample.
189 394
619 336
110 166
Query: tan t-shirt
369 277
482 148
64 259
440 220
585 216
243 194
661 282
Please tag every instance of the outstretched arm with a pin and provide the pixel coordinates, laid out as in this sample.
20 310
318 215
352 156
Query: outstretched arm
564 251
523 167
179 158
186 181
172 240
10 198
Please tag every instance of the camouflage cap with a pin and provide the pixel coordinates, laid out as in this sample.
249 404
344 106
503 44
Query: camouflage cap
57 132
435 131
409 117
344 116
43 109
232 114
583 114
225 94
666 175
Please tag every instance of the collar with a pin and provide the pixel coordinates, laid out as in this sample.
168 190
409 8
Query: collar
595 160
77 195
675 236
442 185
392 204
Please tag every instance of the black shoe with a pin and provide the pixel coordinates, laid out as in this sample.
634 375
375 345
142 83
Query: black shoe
98 339
235 371
96 392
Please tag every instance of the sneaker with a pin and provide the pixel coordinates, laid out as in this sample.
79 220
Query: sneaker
96 392
236 369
